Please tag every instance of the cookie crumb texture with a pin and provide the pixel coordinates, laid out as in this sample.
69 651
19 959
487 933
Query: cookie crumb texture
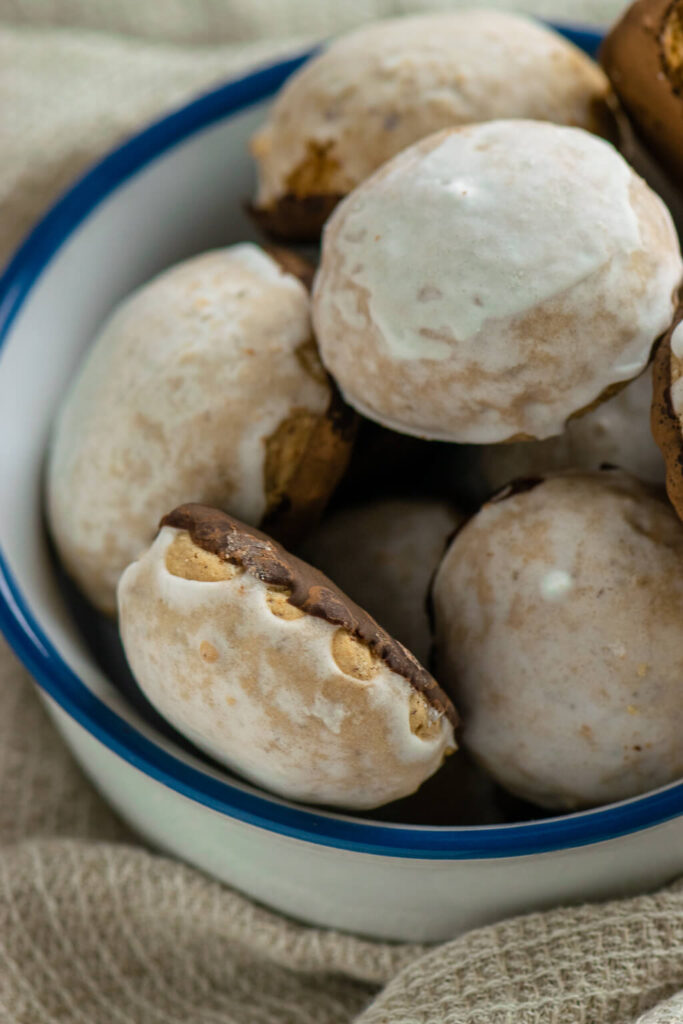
374 91
558 631
204 384
541 272
285 697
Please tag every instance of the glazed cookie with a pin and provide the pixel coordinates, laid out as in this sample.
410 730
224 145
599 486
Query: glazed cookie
204 384
267 666
667 408
381 88
383 554
643 57
493 281
557 612
617 433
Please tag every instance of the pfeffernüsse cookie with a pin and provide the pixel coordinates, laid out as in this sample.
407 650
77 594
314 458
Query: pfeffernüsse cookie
491 282
373 92
557 613
205 384
267 666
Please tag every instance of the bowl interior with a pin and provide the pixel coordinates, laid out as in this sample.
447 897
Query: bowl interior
176 189
189 199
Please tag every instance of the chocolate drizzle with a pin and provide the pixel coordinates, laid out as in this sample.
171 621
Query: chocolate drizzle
310 590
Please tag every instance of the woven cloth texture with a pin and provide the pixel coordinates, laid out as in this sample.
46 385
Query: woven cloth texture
96 929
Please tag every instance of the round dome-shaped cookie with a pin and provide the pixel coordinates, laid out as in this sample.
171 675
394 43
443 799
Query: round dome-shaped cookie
267 666
643 57
492 281
373 92
383 554
204 385
616 433
558 611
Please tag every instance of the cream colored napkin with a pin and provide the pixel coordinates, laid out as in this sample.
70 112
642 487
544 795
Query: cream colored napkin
239 21
94 928
97 930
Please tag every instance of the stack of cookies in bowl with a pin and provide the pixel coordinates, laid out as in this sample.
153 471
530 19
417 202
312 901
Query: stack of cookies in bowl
378 503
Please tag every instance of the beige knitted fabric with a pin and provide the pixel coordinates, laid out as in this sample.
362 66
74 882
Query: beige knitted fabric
103 932
215 21
95 929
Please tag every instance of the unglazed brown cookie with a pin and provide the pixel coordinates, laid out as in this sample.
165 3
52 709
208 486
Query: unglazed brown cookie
558 612
667 408
383 554
643 57
266 665
373 92
205 384
493 281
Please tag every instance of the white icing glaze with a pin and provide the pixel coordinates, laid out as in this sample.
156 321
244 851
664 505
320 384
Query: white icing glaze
377 90
272 704
558 616
493 280
383 554
173 403
487 198
617 433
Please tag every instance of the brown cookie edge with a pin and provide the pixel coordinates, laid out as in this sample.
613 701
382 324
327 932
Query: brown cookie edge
309 590
295 218
632 57
316 475
292 263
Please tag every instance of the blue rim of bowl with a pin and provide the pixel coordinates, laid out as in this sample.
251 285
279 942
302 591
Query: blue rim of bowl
55 677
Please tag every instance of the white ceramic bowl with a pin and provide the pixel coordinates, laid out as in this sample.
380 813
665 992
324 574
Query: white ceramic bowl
175 189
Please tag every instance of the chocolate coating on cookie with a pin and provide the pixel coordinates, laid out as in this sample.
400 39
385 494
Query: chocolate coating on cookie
308 589
205 384
383 553
643 58
266 666
666 419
